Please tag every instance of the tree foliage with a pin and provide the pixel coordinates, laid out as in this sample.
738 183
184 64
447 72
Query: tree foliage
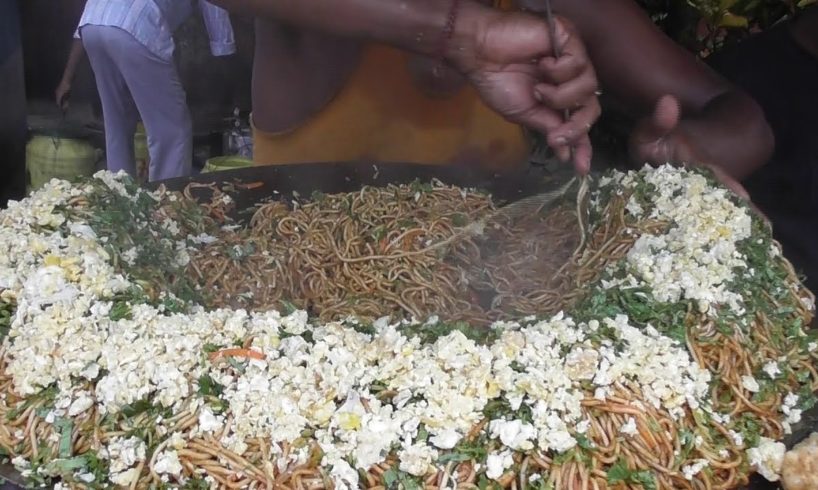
704 26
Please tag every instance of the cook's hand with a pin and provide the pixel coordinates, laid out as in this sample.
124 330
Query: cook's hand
661 138
512 66
62 94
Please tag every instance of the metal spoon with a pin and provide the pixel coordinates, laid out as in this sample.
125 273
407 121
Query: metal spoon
538 202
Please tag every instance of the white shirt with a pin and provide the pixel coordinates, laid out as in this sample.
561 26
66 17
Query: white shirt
152 22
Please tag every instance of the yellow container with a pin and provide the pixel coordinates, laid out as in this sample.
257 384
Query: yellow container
218 164
49 157
140 149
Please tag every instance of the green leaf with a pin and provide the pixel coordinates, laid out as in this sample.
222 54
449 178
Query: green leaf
65 466
46 396
239 252
483 483
430 333
620 473
395 479
196 483
460 219
237 365
365 329
584 442
644 478
66 429
287 308
749 427
423 434
209 387
453 458
120 311
6 314
806 398
86 463
211 348
562 458
379 233
136 408
474 450
411 483
518 367
390 478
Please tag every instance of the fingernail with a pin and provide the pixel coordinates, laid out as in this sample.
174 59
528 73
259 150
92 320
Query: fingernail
537 96
560 140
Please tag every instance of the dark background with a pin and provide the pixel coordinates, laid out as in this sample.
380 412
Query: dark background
12 104
214 85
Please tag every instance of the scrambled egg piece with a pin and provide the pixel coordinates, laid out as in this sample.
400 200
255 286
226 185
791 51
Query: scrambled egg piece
800 468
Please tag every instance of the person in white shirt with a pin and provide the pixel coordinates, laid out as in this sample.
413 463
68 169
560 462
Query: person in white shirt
130 46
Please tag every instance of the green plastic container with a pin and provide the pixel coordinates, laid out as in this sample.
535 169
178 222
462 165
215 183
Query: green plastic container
218 164
50 157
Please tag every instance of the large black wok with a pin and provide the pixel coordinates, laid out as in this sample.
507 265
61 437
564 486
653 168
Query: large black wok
303 179
284 180
349 176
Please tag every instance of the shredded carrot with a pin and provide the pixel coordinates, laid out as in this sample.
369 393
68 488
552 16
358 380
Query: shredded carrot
250 185
237 352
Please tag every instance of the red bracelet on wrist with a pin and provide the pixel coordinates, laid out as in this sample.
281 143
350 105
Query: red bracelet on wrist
448 32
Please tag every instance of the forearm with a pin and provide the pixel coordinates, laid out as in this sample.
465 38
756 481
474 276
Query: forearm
415 25
74 58
732 133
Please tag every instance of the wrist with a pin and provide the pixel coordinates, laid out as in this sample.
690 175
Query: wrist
462 47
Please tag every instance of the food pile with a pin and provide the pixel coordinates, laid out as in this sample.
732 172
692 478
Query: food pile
681 358
417 250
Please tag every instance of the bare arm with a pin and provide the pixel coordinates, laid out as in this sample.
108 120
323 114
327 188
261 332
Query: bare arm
415 25
505 55
638 65
64 88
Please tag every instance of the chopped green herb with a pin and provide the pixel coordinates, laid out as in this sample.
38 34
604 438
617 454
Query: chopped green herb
394 479
430 333
209 387
120 311
209 348
459 219
423 434
619 473
287 308
66 429
136 408
45 398
6 314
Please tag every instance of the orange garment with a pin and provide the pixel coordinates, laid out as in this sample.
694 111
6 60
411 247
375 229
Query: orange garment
380 115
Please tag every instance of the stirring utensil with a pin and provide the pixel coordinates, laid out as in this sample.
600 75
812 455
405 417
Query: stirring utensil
537 203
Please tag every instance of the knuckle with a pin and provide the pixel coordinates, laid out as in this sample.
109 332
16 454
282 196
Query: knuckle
566 23
550 97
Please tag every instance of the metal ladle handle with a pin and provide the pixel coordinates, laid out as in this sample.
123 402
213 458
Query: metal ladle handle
555 46
584 184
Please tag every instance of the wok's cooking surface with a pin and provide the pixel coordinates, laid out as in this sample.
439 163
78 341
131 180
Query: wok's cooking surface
284 180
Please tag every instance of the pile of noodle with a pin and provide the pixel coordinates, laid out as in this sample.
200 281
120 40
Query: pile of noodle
393 251
399 251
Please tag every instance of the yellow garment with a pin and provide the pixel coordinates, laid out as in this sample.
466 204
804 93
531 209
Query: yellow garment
380 115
